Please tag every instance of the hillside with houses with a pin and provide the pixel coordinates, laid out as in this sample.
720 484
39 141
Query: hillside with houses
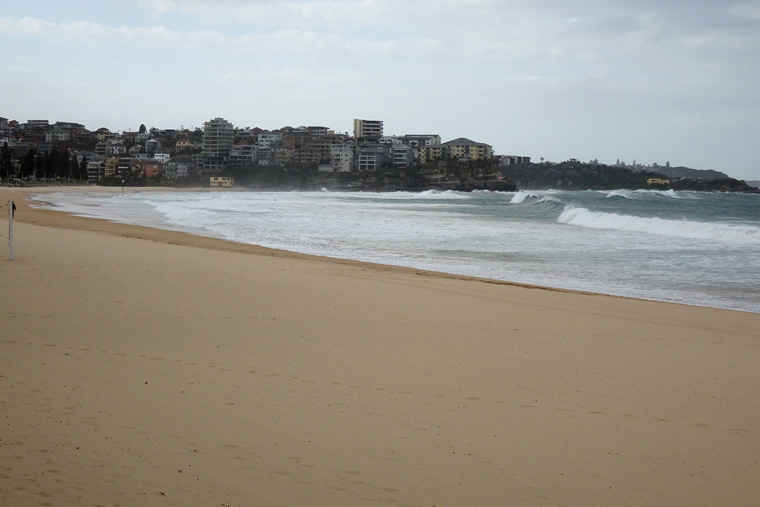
307 157
64 151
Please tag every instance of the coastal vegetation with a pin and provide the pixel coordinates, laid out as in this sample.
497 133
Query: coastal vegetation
576 175
448 174
454 174
50 165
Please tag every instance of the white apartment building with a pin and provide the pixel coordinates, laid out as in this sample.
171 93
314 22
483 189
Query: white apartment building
218 136
266 139
342 157
162 157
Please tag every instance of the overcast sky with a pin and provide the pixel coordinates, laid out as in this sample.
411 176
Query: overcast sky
650 80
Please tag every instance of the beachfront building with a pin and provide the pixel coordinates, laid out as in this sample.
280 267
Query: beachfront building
218 136
96 170
460 148
111 166
464 148
124 166
144 167
368 129
221 181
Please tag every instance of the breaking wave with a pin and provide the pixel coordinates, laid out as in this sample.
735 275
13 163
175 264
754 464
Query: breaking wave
725 233
525 196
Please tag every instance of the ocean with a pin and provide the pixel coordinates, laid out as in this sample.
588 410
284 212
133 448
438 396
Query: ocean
686 247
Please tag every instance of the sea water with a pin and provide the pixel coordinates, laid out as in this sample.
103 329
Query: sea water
686 247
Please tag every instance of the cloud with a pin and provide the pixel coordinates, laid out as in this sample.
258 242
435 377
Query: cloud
749 10
89 32
508 72
344 14
283 41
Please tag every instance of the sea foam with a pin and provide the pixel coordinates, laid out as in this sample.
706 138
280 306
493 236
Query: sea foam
725 233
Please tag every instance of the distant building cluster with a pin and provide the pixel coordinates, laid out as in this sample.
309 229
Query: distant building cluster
219 146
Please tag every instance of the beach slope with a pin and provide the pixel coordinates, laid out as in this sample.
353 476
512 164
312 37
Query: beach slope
145 367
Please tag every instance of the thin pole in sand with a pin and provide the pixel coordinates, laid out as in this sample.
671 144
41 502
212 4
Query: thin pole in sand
10 229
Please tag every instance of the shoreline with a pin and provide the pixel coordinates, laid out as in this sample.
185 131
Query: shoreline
144 232
143 366
170 236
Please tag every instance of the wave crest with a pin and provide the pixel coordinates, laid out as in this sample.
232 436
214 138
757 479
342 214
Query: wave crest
523 196
725 233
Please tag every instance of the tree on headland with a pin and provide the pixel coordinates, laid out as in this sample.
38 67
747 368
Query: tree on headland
82 170
6 162
29 163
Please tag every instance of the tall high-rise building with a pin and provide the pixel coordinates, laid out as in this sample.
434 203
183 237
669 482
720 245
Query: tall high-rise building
218 137
368 129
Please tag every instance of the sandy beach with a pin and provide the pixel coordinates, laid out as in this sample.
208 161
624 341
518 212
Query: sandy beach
148 367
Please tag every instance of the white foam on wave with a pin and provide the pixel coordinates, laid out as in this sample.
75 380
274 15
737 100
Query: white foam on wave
643 193
672 194
448 194
725 233
399 195
524 195
626 194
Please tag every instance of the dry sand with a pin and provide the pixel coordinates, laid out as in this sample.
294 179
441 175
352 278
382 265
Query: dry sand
144 367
